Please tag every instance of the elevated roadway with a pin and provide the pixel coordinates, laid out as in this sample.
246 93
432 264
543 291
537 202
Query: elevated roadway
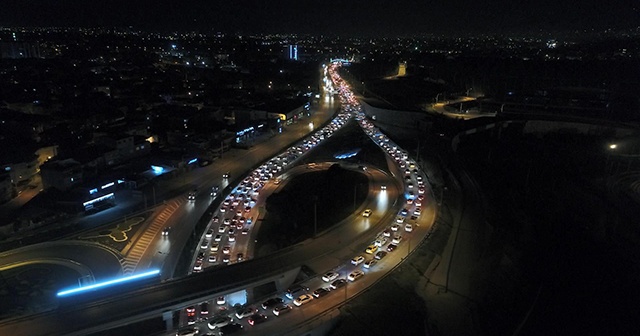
171 295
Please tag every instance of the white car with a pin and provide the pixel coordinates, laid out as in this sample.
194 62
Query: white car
408 227
396 239
355 275
383 187
357 260
380 241
370 263
302 299
219 322
215 247
222 228
366 213
395 227
400 219
330 276
417 211
217 238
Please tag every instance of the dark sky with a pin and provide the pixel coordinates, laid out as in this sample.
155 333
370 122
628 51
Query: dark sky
347 17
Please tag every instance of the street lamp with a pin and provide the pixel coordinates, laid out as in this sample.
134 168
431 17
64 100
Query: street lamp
613 146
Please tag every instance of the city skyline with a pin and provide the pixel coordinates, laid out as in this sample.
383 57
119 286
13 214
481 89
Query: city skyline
349 18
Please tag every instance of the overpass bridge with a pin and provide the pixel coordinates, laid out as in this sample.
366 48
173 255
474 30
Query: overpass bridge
162 299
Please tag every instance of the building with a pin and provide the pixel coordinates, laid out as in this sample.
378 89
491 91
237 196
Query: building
61 174
292 52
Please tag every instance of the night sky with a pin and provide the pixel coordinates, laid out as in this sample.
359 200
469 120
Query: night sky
347 17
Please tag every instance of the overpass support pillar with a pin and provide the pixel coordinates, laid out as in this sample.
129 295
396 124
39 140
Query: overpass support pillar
286 279
168 320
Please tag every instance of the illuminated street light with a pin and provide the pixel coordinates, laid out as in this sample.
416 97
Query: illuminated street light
613 146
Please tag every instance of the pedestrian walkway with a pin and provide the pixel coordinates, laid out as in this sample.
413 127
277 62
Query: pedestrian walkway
138 244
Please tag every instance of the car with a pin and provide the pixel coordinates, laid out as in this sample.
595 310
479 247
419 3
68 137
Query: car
232 231
231 328
225 175
320 292
192 195
396 239
222 228
257 319
380 241
409 200
383 187
216 219
225 258
391 247
417 212
338 283
232 238
245 231
421 190
213 258
226 221
198 266
395 227
355 275
204 308
408 227
302 299
239 257
357 260
205 244
400 219
220 300
215 247
226 249
165 231
246 312
272 302
330 276
217 238
209 233
366 213
281 309
191 311
200 256
219 322
295 291
370 263
418 203
371 249
386 233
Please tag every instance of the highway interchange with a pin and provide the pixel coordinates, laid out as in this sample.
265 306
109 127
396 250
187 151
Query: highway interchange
388 196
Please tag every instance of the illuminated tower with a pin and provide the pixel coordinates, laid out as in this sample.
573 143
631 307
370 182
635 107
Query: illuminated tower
293 52
402 69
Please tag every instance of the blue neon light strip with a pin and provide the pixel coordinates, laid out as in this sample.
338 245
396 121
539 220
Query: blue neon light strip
108 283
101 198
193 161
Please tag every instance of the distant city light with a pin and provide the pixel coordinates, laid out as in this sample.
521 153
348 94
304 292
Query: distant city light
108 283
